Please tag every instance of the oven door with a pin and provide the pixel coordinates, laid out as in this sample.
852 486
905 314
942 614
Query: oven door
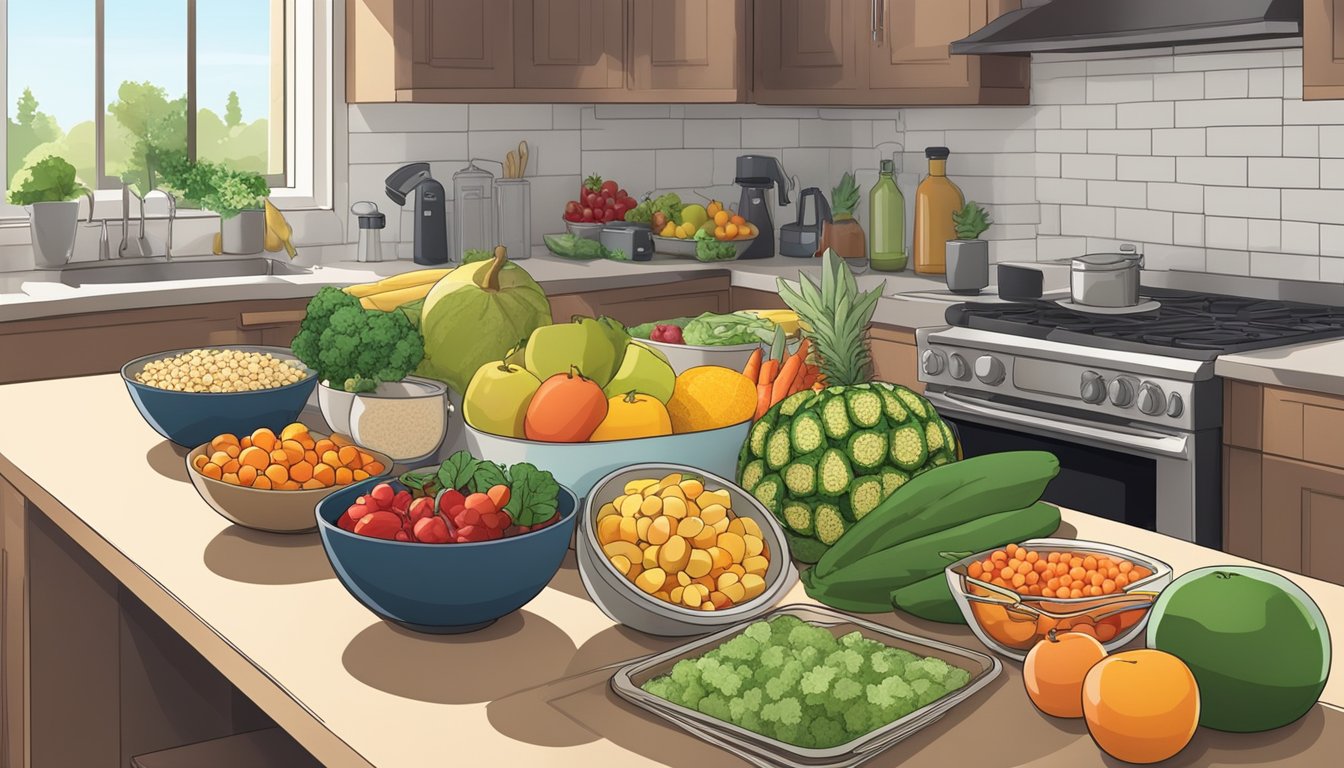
1129 474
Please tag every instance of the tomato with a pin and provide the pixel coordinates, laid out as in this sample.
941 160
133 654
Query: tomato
593 200
382 494
587 214
609 215
610 202
449 500
572 208
609 187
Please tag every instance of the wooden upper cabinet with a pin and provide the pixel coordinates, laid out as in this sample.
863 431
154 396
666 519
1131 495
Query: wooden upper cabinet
1322 50
569 44
688 49
808 45
458 44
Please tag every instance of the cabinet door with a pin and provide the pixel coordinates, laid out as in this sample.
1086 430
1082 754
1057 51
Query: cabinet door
1322 50
568 43
809 49
644 304
688 45
895 356
911 64
1303 519
456 44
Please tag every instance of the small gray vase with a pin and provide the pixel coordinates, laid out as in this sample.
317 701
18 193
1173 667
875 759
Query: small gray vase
967 266
244 233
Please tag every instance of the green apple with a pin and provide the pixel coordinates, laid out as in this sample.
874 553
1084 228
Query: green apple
644 371
589 344
497 398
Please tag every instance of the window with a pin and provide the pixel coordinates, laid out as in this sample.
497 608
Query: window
119 87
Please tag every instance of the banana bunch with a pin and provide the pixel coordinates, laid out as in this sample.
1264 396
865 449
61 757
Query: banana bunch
784 318
392 292
278 232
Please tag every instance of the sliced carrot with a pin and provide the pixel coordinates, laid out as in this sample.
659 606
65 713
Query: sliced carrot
762 400
769 370
753 369
787 373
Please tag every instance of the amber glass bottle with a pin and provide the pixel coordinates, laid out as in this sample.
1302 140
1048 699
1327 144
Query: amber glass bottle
935 200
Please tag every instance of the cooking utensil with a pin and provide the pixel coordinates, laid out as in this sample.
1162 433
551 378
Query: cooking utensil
798 238
1106 279
756 174
633 239
522 159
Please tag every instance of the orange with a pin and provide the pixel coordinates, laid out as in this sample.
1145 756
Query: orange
230 467
219 457
212 471
312 485
263 482
277 473
323 445
344 476
293 451
246 442
325 474
278 456
264 439
254 457
374 467
247 474
361 475
221 441
709 397
1141 706
301 472
349 456
721 218
230 478
331 458
1054 670
200 461
292 431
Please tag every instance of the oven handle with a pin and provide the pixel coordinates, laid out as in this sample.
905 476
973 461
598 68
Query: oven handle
1141 442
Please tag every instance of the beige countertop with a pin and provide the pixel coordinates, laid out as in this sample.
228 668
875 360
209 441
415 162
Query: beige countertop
530 690
1315 367
41 294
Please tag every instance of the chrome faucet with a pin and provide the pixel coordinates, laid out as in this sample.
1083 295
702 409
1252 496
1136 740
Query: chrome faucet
138 246
172 214
103 254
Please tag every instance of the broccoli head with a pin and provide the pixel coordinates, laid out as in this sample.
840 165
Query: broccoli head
355 348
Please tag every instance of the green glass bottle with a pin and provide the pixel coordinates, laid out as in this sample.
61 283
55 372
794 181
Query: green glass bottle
886 222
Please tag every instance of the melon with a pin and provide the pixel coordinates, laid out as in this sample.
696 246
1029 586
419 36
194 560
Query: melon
1256 643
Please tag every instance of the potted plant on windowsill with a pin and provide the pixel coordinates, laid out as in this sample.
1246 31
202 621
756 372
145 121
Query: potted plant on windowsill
239 197
51 193
968 256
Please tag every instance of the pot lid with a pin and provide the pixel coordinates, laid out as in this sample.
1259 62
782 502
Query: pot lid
1105 262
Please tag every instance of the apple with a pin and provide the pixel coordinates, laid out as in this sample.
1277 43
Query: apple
497 398
645 371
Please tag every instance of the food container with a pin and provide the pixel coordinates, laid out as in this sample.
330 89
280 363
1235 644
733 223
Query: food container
442 588
623 602
1106 279
192 418
578 466
268 510
677 246
591 230
406 420
685 356
634 240
764 750
1011 624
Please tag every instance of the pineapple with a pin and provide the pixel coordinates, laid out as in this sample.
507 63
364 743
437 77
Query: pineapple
837 316
844 198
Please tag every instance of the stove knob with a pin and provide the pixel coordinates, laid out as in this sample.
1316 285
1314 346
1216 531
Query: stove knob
1122 392
1151 399
1093 389
932 361
1175 405
989 370
957 366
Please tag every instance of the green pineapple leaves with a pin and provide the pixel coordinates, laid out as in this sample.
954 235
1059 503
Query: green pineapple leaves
845 197
837 315
971 222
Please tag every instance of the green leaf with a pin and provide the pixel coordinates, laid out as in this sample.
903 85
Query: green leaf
458 470
488 474
533 495
49 180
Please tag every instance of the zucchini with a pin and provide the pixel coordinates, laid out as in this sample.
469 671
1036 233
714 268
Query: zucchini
892 480
806 432
897 413
829 523
866 585
835 418
865 494
798 516
917 405
955 494
752 475
865 407
908 450
777 453
804 549
929 599
833 473
768 492
800 477
760 432
867 448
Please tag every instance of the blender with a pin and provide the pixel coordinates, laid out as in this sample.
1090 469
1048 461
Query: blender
756 174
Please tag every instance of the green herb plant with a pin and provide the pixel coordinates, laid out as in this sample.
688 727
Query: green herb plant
971 221
216 187
50 180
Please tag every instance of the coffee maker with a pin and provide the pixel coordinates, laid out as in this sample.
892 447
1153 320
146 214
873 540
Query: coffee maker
431 213
756 174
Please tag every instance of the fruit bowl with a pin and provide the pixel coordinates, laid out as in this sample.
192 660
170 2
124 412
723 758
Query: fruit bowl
273 511
192 418
623 602
589 230
442 588
685 356
676 246
579 466
1011 624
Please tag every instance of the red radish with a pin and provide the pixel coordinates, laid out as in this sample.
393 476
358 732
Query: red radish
379 525
403 536
382 495
449 499
432 530
402 501
421 508
480 503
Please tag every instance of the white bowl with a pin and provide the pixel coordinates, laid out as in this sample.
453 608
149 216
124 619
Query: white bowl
686 356
406 420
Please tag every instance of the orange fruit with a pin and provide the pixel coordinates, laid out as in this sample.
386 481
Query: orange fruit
200 461
292 431
277 474
374 467
254 457
710 397
263 482
1141 706
1054 670
264 439
293 451
721 218
738 220
301 472
212 471
325 474
247 474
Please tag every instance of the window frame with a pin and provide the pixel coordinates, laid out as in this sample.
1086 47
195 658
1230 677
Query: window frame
309 120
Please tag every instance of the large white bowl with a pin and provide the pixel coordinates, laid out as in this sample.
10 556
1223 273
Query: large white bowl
578 466
685 356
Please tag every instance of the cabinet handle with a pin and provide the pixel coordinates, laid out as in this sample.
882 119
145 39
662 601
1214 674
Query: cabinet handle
877 20
249 319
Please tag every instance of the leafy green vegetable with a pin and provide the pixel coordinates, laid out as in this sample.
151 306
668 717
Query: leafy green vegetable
476 254
670 204
711 330
709 249
533 495
354 348
457 470
216 187
49 180
570 246
645 330
488 474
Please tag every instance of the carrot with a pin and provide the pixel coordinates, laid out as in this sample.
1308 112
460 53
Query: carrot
769 369
804 347
753 369
787 373
762 399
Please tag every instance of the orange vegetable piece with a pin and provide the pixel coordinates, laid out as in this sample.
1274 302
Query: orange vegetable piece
360 475
1054 669
230 467
232 451
344 476
262 482
277 473
292 450
324 445
349 456
254 456
301 472
311 456
246 442
230 478
219 457
212 471
364 458
222 440
264 439
375 467
200 461
331 458
278 456
722 217
289 485
247 474
312 485
292 431
325 474
1141 706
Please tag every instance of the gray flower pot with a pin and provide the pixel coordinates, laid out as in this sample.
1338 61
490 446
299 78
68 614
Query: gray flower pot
967 265
244 233
53 232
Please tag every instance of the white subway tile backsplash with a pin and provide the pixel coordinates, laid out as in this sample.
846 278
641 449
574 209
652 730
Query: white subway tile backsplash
1292 82
1211 170
1178 86
1332 240
566 117
1285 266
969 118
1225 233
1047 164
1265 83
401 147
1244 202
1052 248
1178 141
1208 112
401 118
1331 140
1049 224
996 164
650 133
1298 112
1332 173
1087 221
550 153
1187 229
835 133
991 141
1061 191
1087 116
1117 194
1301 141
1061 141
1145 226
510 117
711 134
1042 69
1203 62
1227 262
1300 237
1245 141
1263 235
1131 62
1226 84
1332 271
1143 168
1012 250
684 168
1087 166
1168 257
1283 172
999 189
1323 206
1145 114
770 132
1127 142
1112 89
1064 90
1047 116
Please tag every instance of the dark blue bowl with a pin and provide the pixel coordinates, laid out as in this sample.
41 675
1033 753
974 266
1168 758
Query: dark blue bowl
443 588
193 418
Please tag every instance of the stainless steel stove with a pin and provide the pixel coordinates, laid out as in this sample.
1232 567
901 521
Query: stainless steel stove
1129 403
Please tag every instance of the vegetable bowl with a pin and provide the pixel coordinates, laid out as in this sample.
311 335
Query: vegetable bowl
1010 623
685 247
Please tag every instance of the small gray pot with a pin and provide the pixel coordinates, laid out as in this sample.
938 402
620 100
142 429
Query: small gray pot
244 233
53 232
967 265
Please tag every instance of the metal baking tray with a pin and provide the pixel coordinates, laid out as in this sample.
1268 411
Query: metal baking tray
765 751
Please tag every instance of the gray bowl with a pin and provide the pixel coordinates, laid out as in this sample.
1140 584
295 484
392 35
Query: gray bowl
589 230
683 357
679 246
620 600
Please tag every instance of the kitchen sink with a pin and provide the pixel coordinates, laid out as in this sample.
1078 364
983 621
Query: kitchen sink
157 269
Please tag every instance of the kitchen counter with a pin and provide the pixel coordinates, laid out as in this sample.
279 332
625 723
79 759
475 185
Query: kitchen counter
268 613
40 294
1314 367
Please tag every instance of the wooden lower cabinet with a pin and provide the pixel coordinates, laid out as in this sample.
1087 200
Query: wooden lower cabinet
644 304
1303 518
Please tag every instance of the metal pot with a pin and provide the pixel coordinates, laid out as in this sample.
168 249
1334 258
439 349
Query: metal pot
1106 279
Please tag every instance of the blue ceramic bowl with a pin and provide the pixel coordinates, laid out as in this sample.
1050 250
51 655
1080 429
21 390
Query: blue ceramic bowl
192 418
442 588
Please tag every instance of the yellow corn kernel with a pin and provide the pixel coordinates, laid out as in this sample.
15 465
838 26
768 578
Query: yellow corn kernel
734 544
751 527
756 565
651 506
651 580
675 595
660 529
715 497
683 579
691 598
725 580
623 548
755 545
713 513
699 563
752 586
735 526
735 592
705 538
674 507
650 559
622 564
692 488
629 530
674 555
690 527
608 530
721 526
642 528
629 506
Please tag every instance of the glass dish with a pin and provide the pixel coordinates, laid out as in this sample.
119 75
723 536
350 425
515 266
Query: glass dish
1010 624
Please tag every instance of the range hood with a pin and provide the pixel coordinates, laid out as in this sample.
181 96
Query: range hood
1111 25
